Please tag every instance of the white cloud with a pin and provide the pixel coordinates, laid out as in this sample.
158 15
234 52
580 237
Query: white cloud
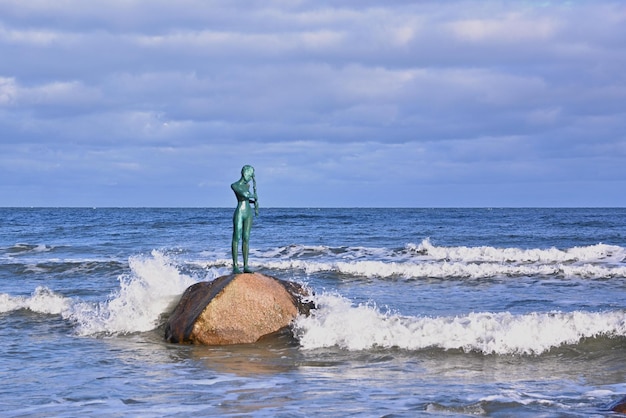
319 95
511 28
8 90
29 36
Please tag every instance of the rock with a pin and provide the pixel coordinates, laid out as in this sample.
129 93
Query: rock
619 406
235 309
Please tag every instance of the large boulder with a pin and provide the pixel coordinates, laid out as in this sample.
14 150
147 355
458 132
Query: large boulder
619 406
235 309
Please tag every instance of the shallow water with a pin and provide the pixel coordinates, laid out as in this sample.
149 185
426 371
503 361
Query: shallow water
503 312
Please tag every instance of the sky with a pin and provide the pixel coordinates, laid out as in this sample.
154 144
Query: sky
345 103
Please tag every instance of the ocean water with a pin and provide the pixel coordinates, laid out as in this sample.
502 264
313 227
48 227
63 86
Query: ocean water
421 312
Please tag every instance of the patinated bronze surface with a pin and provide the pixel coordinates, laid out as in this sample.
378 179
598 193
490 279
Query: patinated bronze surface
242 218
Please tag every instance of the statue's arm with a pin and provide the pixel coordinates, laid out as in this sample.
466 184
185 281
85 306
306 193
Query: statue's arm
243 192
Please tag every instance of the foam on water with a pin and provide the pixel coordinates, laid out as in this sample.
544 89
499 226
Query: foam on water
24 248
144 295
337 322
310 251
553 316
587 254
153 285
43 300
426 260
443 270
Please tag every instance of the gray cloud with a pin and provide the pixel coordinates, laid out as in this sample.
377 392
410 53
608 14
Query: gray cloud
356 103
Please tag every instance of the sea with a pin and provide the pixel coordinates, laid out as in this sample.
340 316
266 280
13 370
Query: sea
498 312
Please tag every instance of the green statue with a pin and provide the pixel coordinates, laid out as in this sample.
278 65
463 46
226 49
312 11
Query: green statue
242 219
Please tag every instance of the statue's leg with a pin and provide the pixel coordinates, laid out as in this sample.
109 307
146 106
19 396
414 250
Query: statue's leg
246 250
237 227
235 255
247 226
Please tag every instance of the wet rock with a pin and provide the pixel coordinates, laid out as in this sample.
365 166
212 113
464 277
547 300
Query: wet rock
619 406
235 309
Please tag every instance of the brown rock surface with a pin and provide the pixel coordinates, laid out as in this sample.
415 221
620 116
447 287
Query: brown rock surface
619 406
234 309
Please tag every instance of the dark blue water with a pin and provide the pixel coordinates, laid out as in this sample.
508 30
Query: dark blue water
494 312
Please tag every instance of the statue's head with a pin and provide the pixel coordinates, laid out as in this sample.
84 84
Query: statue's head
247 172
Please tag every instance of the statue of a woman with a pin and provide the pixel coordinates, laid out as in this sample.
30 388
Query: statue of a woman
242 218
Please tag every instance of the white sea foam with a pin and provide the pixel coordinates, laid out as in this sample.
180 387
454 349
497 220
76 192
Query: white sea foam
36 248
294 251
443 270
308 251
587 254
426 260
43 300
144 295
153 285
337 322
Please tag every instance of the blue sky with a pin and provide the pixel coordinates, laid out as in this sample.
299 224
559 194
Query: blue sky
335 103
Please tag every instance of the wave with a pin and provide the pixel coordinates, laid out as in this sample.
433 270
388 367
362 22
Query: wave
587 254
145 294
55 266
411 262
338 323
154 284
311 251
43 300
426 251
445 270
426 260
22 248
43 259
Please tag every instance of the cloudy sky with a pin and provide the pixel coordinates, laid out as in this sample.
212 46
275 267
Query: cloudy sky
335 103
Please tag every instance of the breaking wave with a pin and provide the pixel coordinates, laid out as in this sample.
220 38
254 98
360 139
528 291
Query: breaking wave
339 323
155 282
588 254
426 260
144 295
